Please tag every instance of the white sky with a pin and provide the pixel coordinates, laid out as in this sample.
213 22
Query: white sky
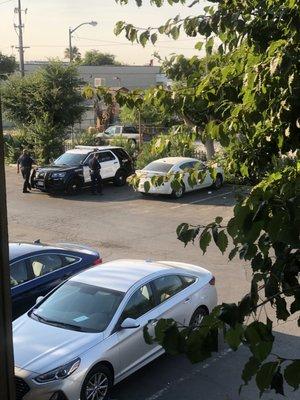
47 23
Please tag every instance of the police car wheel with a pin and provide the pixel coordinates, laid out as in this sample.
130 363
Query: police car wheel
120 178
72 187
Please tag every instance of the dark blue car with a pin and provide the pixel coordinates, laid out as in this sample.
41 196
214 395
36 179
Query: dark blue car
37 268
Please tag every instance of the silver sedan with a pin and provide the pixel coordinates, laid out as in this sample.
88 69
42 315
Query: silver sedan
87 334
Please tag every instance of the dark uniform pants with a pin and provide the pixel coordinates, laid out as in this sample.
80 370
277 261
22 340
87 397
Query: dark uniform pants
96 182
26 176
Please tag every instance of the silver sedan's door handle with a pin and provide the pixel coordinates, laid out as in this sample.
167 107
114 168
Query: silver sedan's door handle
187 301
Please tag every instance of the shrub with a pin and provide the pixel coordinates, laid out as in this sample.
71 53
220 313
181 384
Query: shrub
170 145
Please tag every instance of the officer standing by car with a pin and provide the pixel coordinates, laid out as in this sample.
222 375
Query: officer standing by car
95 168
25 164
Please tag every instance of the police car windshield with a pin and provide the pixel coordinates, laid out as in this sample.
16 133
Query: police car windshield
70 159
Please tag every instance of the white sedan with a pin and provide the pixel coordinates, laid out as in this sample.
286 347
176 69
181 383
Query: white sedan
169 166
87 334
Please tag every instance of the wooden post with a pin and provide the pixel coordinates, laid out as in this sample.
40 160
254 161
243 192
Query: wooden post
6 347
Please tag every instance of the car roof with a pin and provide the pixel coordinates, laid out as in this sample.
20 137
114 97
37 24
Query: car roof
121 275
17 250
175 160
88 149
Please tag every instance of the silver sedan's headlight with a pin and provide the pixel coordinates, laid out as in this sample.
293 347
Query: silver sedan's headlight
58 175
59 373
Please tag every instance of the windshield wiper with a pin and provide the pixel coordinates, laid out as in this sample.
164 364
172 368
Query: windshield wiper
57 323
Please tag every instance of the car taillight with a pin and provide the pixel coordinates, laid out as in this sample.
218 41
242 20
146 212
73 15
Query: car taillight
212 281
98 261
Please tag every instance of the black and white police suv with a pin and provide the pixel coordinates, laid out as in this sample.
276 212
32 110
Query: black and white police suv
70 173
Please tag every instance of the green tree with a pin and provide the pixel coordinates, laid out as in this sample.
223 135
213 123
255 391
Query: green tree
95 57
254 94
43 105
151 113
76 55
8 64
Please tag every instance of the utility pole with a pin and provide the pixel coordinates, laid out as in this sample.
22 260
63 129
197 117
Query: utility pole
6 347
20 27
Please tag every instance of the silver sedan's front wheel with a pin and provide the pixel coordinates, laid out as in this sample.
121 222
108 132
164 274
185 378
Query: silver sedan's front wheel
97 384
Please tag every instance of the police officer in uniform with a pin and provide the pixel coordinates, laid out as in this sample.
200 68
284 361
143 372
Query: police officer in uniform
95 168
25 164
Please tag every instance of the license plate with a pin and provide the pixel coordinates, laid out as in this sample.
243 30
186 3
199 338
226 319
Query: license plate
40 183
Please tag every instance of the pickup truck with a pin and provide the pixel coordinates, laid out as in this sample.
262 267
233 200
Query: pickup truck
127 131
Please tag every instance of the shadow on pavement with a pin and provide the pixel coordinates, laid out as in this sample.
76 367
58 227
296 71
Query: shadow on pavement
225 196
219 378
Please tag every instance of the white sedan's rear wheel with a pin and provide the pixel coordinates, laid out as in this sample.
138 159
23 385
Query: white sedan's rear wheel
218 183
197 317
178 193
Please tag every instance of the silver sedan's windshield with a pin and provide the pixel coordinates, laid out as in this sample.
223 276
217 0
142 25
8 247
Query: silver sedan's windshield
78 306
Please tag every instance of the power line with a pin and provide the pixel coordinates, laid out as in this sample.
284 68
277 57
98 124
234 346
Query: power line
4 2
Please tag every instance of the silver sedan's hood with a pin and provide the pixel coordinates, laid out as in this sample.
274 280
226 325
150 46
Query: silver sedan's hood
39 347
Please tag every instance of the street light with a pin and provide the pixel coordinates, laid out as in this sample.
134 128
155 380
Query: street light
93 23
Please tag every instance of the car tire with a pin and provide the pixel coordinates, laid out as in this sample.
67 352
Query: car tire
197 317
99 379
177 194
120 178
218 183
72 187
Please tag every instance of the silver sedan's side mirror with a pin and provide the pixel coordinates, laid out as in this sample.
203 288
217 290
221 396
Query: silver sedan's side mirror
40 298
129 323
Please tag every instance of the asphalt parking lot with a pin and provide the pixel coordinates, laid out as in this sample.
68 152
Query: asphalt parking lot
123 224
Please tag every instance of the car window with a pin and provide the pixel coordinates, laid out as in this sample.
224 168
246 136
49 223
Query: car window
129 129
158 166
188 280
44 264
67 260
192 164
110 130
140 302
106 156
117 130
167 286
19 273
79 305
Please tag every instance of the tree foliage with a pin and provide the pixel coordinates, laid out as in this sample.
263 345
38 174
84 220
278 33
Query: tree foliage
95 57
76 55
8 65
44 104
246 95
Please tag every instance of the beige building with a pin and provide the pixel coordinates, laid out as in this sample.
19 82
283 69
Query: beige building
127 76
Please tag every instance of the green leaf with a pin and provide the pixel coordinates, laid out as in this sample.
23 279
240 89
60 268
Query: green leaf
153 38
277 382
265 375
229 314
244 170
260 340
218 220
232 253
292 374
146 186
250 369
233 336
198 46
204 241
281 310
222 241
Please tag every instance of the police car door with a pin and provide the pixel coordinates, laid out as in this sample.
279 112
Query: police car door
109 164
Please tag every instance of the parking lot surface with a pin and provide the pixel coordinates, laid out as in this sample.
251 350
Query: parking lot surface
124 224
